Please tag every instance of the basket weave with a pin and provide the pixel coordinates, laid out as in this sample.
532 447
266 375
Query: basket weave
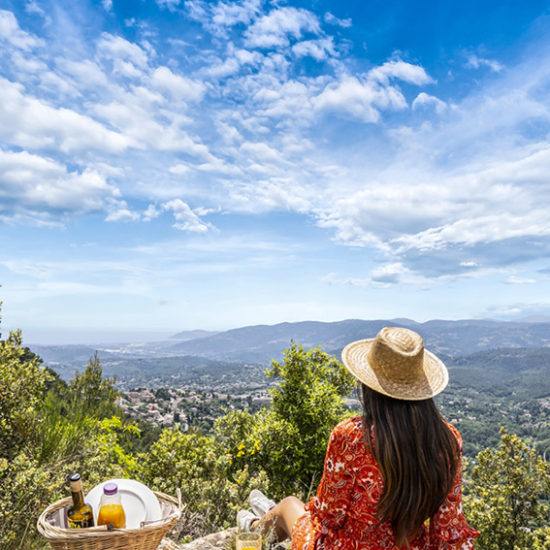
148 537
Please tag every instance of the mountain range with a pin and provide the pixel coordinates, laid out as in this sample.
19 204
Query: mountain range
261 343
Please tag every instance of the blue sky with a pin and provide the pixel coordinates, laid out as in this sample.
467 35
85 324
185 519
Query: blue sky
179 164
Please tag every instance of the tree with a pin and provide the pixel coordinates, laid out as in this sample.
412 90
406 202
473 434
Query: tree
289 440
48 431
22 388
505 498
96 394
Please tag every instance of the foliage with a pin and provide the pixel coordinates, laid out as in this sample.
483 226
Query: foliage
505 500
93 393
289 440
48 430
22 386
200 466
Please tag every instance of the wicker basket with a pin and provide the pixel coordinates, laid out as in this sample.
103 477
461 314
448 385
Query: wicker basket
148 537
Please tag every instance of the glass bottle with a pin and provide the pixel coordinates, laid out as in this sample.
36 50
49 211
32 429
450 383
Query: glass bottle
110 507
79 514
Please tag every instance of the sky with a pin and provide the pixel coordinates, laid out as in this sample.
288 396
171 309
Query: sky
170 165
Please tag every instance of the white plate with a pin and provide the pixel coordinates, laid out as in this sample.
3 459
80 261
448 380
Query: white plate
139 502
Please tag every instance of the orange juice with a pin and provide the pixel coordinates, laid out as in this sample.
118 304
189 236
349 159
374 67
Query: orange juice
110 507
249 541
112 513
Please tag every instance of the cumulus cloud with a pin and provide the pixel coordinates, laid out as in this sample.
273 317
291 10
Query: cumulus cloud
361 99
33 183
241 124
11 33
275 29
229 14
186 219
318 49
425 100
177 86
33 123
414 74
121 52
121 213
333 20
151 213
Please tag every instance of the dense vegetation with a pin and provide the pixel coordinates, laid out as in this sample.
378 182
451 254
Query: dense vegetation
49 428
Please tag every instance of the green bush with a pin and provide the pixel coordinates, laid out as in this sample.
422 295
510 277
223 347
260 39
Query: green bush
200 467
505 497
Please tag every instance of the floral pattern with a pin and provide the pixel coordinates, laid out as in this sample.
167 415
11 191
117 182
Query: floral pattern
342 515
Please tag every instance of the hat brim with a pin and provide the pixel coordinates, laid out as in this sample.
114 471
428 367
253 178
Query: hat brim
434 381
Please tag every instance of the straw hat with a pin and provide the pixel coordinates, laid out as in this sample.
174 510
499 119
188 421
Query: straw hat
396 364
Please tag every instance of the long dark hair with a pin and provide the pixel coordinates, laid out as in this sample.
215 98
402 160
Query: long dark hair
417 455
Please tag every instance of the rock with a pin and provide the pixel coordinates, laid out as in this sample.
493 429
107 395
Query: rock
215 541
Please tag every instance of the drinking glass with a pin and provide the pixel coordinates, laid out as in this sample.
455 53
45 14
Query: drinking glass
249 541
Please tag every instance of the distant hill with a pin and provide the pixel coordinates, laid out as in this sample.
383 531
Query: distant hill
193 334
261 343
523 373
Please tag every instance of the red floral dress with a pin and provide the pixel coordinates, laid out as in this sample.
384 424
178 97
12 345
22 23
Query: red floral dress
342 516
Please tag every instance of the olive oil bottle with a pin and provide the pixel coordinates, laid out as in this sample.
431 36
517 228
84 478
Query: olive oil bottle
79 514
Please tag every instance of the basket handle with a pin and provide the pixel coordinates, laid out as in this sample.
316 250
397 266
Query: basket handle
153 521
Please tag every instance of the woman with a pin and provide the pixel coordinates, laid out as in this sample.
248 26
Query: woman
392 478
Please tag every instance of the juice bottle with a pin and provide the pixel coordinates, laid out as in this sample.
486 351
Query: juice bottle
110 507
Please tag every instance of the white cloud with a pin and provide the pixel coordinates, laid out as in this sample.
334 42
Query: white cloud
333 20
179 169
218 166
359 99
86 74
107 4
223 69
137 123
32 7
177 86
389 274
121 213
261 151
186 219
33 123
33 183
318 49
13 34
28 64
401 70
229 133
423 99
120 50
151 213
227 15
273 30
475 62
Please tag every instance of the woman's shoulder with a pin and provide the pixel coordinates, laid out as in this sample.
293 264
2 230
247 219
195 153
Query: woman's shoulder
455 432
351 428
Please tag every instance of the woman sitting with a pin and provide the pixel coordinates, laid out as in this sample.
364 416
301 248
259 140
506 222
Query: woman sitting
392 477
